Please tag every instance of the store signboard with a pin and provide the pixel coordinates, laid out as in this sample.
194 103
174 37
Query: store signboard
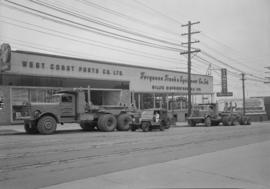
141 79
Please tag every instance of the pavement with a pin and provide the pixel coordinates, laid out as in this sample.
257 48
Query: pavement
11 129
241 167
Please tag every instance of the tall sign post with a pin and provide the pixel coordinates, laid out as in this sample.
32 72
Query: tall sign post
224 84
189 52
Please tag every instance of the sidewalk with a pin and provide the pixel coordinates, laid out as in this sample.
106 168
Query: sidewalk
241 167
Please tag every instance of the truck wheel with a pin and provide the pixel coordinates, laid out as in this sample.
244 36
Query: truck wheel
248 121
107 123
87 125
226 121
168 124
133 128
46 125
30 127
207 122
191 123
123 122
162 126
145 126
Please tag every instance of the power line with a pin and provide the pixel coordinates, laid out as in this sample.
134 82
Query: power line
127 17
226 64
236 61
65 11
141 55
95 30
158 12
86 40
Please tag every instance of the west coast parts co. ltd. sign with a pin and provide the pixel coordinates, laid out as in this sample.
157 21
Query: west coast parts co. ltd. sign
141 79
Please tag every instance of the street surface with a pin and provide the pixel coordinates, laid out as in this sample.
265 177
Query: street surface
35 161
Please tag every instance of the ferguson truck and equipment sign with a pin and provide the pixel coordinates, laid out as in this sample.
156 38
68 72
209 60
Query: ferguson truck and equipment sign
70 106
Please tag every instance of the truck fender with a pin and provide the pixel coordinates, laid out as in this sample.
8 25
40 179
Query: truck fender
49 114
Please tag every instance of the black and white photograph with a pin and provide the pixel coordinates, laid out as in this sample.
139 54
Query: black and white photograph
134 94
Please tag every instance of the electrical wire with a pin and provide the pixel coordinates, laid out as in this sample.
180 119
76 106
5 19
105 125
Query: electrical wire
111 26
95 30
124 16
86 40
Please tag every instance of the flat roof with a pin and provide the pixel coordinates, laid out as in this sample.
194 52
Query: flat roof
99 61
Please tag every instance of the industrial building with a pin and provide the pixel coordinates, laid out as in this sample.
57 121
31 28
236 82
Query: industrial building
33 77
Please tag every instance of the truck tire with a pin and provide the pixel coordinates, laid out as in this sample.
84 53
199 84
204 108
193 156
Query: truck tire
168 124
107 123
243 121
145 126
46 125
133 128
192 123
162 125
30 127
123 122
207 122
87 125
215 123
227 121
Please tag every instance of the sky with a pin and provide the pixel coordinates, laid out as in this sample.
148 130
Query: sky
234 34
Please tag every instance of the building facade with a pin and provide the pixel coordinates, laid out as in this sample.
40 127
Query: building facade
32 77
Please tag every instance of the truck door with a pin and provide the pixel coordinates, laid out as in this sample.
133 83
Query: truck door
67 108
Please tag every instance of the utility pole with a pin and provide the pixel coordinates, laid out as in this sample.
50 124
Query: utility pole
244 96
189 52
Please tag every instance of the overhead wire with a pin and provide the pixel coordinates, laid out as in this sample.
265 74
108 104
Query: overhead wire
87 40
124 16
203 33
95 30
111 26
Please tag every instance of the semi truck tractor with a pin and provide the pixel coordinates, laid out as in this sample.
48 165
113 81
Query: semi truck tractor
70 106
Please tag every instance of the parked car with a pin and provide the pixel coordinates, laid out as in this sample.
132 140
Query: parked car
151 119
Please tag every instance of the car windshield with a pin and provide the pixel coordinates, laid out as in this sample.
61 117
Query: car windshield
147 112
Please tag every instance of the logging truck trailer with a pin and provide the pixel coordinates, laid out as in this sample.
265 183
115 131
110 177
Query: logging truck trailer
70 106
210 116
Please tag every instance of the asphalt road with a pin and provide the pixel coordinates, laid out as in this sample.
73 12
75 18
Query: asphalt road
34 161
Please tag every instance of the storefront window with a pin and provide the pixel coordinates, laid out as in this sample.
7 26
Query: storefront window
160 101
41 95
33 95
